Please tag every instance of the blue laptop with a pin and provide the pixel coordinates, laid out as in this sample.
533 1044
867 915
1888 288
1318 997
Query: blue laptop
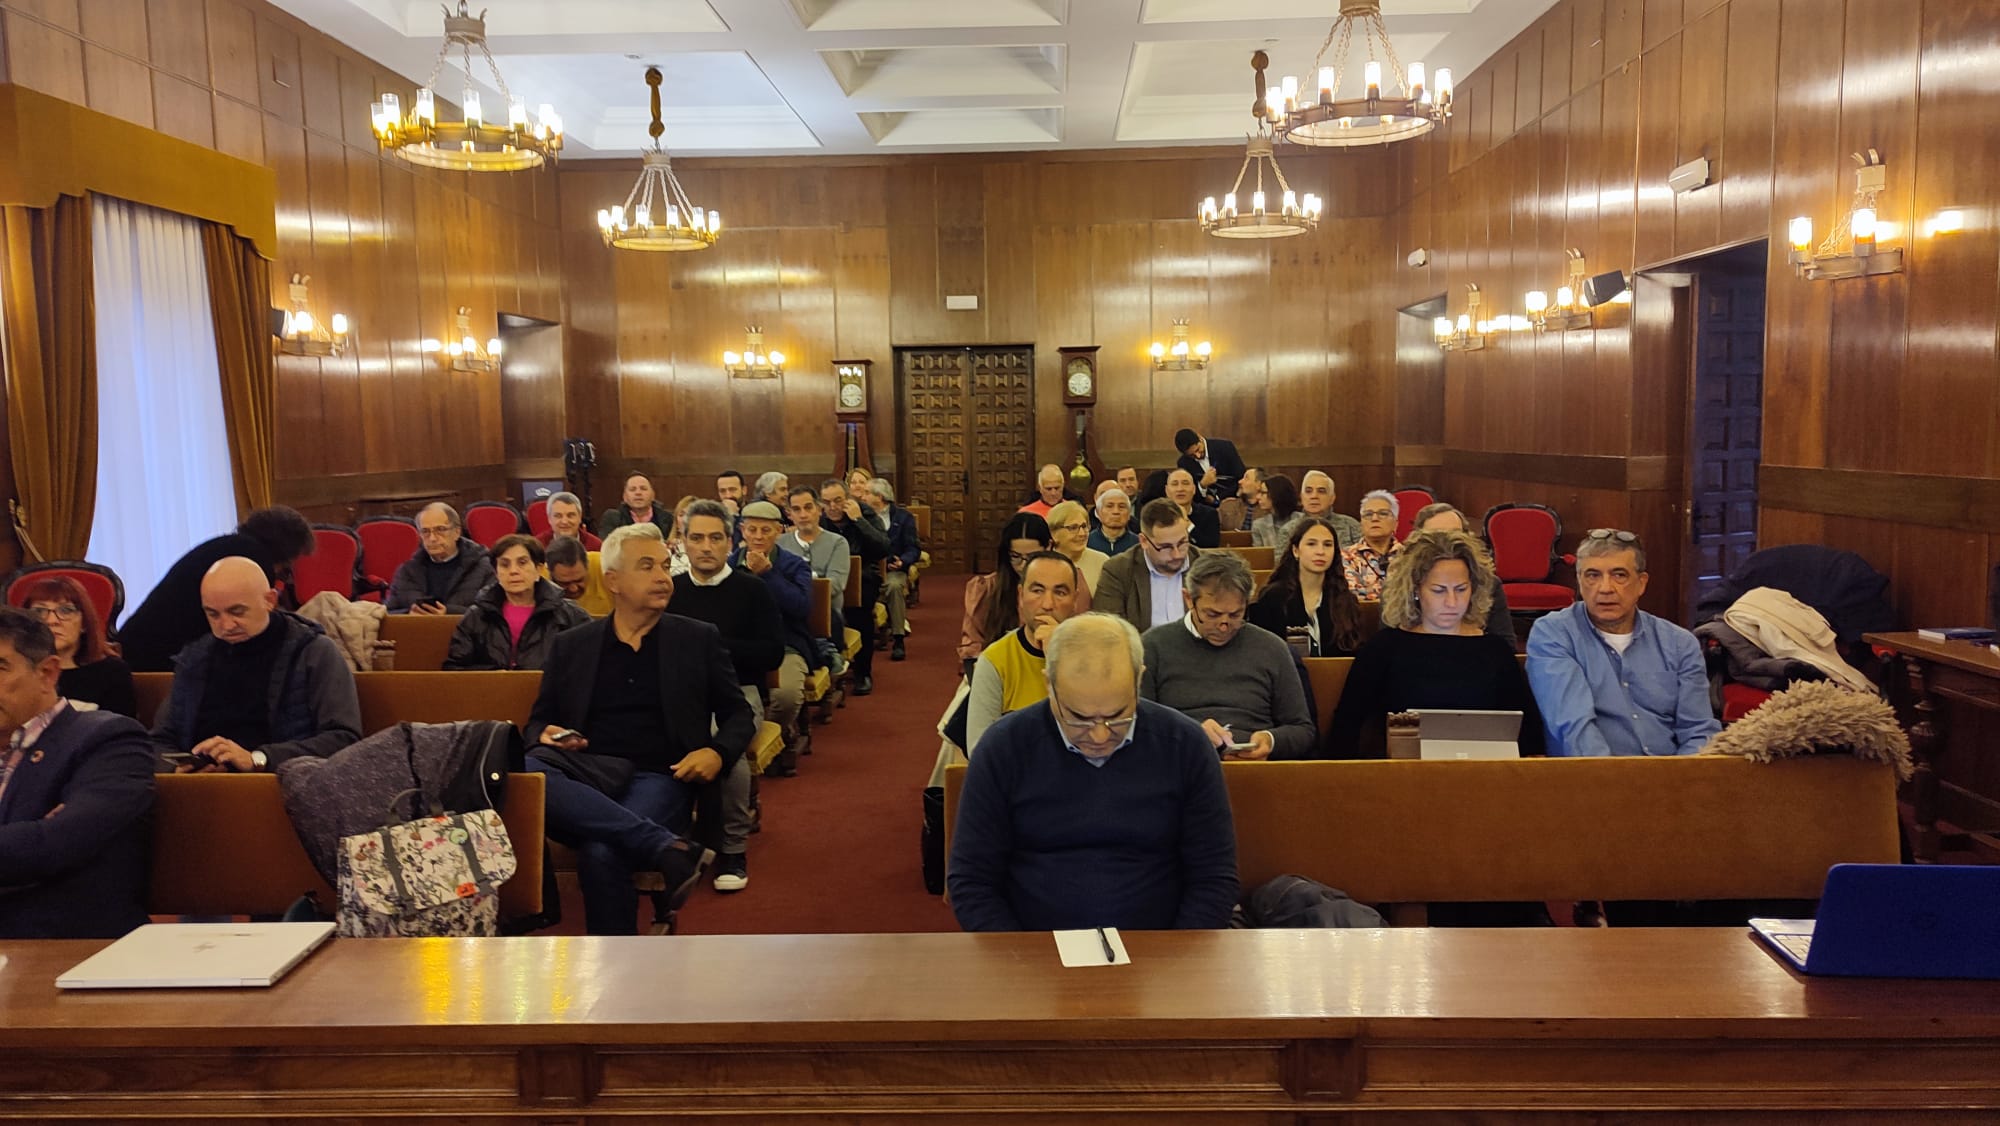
1897 920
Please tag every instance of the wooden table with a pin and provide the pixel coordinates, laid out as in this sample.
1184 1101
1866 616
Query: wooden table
1323 1027
1957 772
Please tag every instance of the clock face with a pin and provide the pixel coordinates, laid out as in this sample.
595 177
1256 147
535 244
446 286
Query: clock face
1080 379
850 395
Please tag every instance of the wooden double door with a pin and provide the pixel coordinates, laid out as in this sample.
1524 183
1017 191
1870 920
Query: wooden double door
967 426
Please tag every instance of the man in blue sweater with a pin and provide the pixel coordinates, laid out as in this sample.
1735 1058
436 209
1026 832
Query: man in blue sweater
1097 810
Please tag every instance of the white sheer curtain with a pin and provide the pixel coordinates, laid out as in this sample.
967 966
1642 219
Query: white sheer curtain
163 480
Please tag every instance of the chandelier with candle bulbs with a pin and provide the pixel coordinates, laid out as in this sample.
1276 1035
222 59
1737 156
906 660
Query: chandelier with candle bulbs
1380 116
1281 215
472 144
657 214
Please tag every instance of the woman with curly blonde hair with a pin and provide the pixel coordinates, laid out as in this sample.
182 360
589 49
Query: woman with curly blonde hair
1433 652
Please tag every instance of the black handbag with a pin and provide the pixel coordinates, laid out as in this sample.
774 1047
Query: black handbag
933 839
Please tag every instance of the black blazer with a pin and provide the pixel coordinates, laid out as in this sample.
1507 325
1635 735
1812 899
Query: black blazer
1228 468
1207 530
82 872
697 687
1279 611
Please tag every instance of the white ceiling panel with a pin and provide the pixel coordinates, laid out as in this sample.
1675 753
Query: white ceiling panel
858 76
1237 11
947 72
884 15
981 128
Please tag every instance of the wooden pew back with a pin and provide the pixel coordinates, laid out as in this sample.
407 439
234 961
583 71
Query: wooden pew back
1255 558
819 619
223 845
389 698
423 641
1697 827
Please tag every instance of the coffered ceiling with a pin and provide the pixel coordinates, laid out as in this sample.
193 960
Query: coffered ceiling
857 76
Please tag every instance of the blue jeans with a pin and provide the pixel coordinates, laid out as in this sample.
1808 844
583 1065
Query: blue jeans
614 837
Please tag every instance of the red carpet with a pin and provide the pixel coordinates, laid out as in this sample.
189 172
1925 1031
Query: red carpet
838 852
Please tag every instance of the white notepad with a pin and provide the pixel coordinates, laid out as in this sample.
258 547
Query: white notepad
1086 948
198 956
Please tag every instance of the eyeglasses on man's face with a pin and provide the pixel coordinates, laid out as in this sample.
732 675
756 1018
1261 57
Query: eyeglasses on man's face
1083 726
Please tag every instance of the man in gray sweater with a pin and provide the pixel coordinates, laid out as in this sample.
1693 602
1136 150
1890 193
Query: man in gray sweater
1235 679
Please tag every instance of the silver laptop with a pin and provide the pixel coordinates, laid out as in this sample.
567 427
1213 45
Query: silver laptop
198 956
1468 734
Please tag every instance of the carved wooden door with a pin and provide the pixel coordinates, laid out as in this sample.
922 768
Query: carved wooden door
1728 426
968 428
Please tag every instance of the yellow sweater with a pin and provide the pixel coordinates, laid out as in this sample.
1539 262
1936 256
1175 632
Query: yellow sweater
1006 678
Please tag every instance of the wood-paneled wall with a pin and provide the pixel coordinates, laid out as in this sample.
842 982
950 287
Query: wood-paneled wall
395 247
851 258
1565 139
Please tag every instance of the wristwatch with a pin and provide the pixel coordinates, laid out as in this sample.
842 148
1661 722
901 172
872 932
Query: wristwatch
258 760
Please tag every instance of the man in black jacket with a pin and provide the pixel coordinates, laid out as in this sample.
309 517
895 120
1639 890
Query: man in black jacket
1213 463
622 731
75 791
170 617
446 574
867 542
264 687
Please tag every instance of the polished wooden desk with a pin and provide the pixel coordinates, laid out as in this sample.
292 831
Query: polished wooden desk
1957 768
1321 1027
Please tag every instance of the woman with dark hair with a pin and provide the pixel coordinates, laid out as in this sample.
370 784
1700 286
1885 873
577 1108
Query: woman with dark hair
991 600
514 621
91 669
1308 590
1432 650
171 616
1274 528
1152 489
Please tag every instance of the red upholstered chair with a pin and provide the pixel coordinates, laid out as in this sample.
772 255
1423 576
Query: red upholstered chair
1410 498
102 584
387 542
1523 537
330 566
488 520
538 518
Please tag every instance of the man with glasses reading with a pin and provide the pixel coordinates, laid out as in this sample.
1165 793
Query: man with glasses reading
1098 810
1237 681
1144 586
1611 679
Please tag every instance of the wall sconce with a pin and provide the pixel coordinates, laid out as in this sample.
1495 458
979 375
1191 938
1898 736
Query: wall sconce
1569 311
1469 332
302 334
753 362
464 352
1179 356
1850 250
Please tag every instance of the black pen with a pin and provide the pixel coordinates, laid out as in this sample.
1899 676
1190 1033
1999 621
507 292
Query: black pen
1109 957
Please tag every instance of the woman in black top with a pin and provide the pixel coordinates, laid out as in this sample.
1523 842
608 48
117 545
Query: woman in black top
91 670
513 623
1308 591
1432 651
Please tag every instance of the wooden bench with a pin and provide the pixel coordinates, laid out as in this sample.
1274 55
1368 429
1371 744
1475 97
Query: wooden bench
423 641
1562 830
1256 558
222 845
1235 539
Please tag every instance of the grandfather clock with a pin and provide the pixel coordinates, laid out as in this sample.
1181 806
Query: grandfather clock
850 416
1079 375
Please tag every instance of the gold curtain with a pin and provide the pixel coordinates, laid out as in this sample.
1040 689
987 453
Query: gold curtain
50 335
239 297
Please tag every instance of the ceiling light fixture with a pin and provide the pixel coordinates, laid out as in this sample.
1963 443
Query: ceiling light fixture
472 144
1324 119
657 195
1292 215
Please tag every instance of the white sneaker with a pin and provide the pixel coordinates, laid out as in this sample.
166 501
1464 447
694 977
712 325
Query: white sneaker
732 872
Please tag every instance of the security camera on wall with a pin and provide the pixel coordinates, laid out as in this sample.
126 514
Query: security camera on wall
1419 258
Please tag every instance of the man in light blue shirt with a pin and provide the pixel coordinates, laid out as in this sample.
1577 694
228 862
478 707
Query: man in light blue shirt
1610 678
